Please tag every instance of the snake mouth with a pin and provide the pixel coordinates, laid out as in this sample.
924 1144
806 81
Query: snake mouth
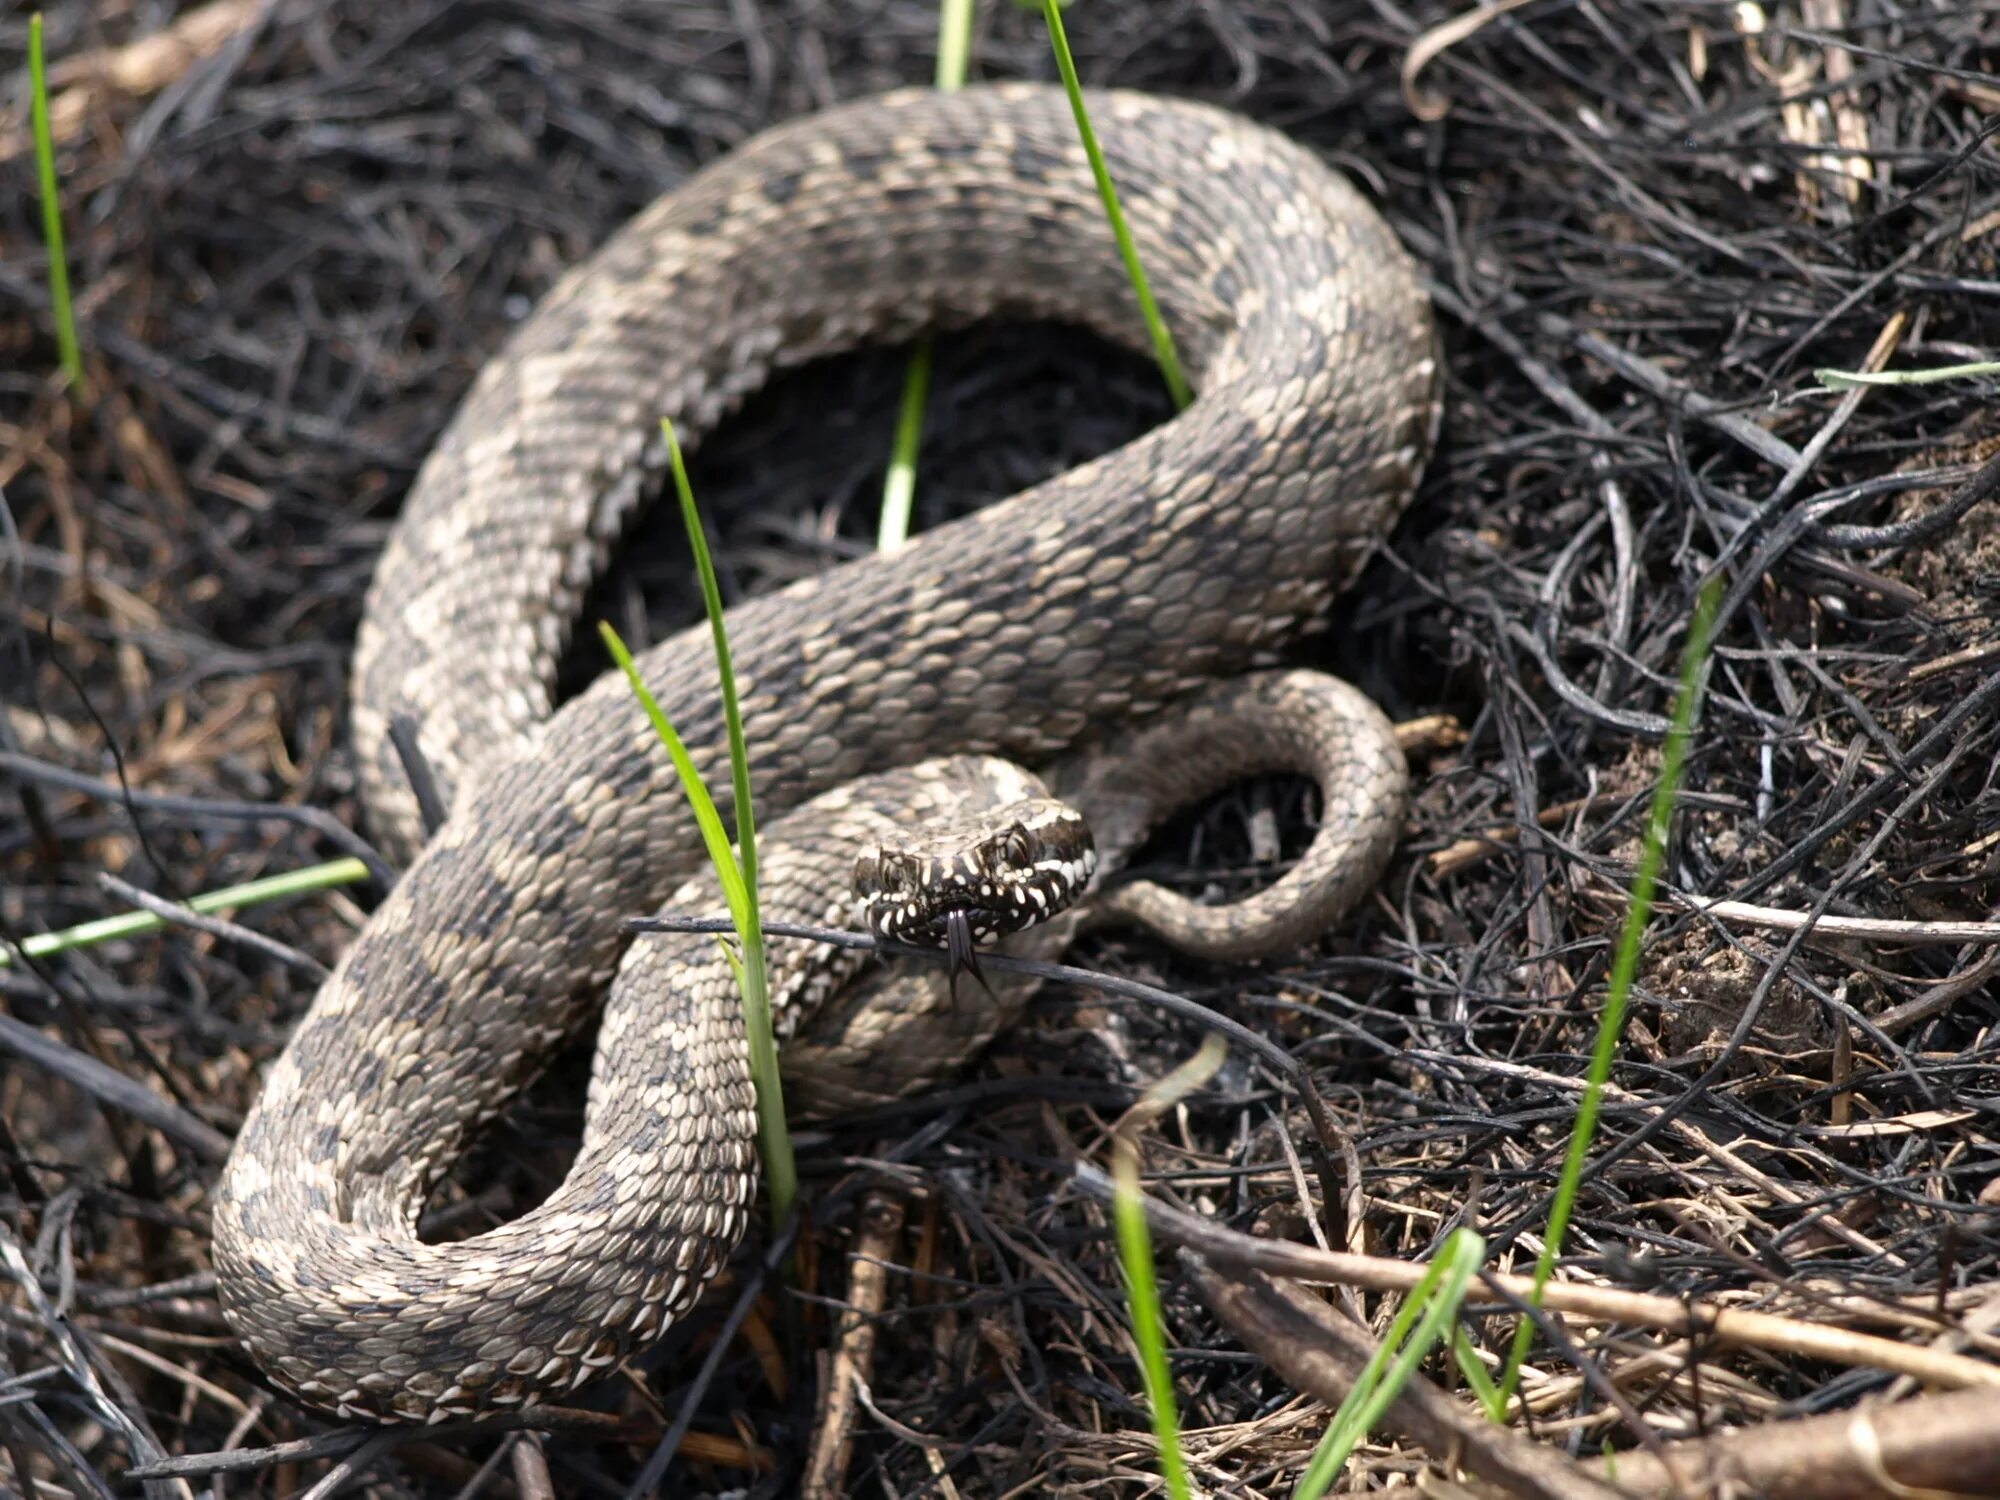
951 923
960 931
962 928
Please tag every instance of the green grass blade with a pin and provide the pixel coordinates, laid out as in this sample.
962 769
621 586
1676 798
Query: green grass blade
1156 326
899 489
229 898
773 1136
732 712
735 869
52 229
1473 1368
1135 1255
713 834
774 1140
1426 1315
1624 964
954 44
1142 1287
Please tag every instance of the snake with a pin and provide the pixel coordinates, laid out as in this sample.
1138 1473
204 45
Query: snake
1109 640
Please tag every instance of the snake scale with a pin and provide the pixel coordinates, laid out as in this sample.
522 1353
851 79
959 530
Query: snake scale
1156 575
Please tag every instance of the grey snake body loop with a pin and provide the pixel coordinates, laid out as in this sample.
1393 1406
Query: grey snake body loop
1032 630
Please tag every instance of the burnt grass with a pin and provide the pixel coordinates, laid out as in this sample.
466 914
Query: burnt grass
1645 226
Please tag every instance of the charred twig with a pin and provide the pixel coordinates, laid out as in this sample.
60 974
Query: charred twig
201 809
1321 1353
850 1366
113 1088
1223 1247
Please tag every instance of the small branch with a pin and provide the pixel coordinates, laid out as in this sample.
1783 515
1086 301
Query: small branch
1869 929
197 810
110 1087
1932 1446
1322 1354
852 1364
174 914
591 1426
1688 1319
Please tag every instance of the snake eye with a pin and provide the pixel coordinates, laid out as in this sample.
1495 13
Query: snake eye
1018 848
867 877
882 872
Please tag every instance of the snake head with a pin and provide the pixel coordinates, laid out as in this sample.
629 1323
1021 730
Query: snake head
978 878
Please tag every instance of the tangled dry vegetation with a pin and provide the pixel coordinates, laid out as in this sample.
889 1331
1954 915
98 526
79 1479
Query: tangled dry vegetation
298 228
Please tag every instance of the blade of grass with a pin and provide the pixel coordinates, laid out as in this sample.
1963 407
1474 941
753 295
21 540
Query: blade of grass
1142 1289
899 488
732 711
1624 964
1423 1319
954 45
774 1140
1135 1254
1841 380
1156 326
1473 1368
52 231
735 869
720 853
228 898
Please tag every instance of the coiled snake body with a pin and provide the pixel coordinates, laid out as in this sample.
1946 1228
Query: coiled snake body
1034 628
